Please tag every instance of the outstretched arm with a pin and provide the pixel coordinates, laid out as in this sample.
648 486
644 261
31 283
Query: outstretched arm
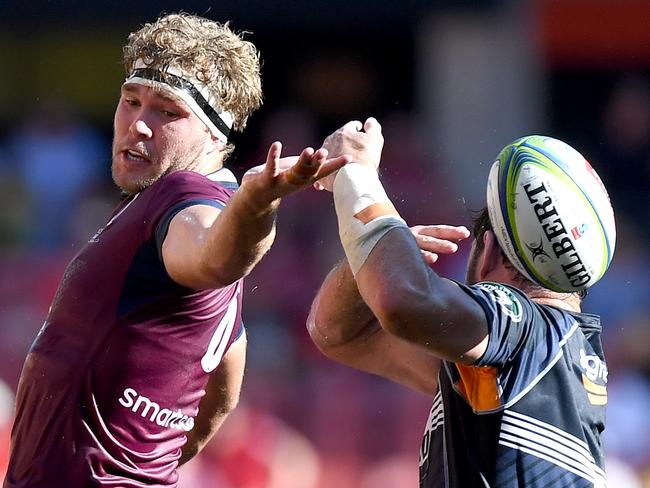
208 248
345 329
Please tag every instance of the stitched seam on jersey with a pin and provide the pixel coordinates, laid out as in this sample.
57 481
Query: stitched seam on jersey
101 230
122 210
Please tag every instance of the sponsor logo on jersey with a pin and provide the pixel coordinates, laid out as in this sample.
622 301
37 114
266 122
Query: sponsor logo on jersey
506 299
151 411
594 373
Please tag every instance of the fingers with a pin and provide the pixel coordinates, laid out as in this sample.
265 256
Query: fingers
273 158
432 244
450 232
353 126
439 239
306 166
429 257
372 126
332 165
313 165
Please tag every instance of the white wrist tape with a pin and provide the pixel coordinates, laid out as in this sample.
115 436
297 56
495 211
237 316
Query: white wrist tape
365 213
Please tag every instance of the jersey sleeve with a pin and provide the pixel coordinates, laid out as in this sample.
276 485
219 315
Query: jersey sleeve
524 338
165 220
510 316
176 192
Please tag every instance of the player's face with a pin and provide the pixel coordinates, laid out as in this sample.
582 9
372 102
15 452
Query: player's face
155 133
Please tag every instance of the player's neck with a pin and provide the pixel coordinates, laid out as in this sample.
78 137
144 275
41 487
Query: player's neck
566 301
506 273
208 166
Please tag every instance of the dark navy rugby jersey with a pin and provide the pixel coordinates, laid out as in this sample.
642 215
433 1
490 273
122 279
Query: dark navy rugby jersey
113 380
530 412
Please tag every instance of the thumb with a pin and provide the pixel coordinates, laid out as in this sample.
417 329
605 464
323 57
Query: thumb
372 125
273 158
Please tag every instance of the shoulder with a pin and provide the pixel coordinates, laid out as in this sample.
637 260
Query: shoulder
507 300
193 184
188 187
181 189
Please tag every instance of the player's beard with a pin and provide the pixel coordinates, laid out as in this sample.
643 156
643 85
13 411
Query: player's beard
182 161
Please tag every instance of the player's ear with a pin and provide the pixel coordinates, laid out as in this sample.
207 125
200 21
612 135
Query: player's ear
490 258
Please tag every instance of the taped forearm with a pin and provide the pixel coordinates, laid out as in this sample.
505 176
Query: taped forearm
365 213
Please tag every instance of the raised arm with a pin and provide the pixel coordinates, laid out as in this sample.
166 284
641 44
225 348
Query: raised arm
208 248
345 329
410 301
415 304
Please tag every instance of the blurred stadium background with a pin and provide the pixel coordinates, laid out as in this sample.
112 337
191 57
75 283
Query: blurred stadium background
452 82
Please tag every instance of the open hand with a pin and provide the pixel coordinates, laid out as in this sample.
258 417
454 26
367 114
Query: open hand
280 176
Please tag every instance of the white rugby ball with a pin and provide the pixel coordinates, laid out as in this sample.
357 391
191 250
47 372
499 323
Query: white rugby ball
551 213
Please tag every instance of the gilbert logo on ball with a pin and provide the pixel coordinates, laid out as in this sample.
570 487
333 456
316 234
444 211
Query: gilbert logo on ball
551 213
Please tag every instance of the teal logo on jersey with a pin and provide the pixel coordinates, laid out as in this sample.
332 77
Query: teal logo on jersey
506 299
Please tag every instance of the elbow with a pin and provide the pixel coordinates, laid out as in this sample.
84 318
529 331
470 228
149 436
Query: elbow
327 332
219 275
230 404
403 309
318 332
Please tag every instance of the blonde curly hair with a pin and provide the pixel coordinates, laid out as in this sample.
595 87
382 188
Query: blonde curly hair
211 52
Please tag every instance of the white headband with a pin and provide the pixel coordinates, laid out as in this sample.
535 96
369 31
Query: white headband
193 92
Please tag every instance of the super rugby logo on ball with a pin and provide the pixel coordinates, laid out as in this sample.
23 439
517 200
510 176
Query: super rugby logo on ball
551 213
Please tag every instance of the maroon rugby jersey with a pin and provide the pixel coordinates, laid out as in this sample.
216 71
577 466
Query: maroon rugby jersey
114 378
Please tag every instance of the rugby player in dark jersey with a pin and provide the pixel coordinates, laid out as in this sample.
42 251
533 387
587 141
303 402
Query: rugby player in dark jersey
142 353
516 371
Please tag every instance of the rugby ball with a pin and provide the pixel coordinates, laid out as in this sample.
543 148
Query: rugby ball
551 213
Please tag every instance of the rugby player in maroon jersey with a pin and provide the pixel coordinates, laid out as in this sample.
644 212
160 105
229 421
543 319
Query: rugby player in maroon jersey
142 353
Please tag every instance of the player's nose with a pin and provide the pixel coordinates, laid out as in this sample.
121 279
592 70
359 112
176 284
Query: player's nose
140 129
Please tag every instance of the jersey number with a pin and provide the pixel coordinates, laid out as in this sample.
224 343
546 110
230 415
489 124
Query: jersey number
219 341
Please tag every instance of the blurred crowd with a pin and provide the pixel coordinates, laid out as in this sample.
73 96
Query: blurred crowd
305 422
